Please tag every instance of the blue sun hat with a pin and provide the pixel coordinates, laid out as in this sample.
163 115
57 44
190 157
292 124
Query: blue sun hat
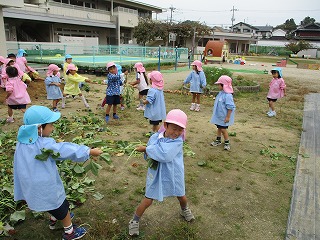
21 52
33 118
279 71
68 56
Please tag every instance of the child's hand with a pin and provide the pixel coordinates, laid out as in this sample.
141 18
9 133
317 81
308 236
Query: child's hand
227 119
141 148
95 151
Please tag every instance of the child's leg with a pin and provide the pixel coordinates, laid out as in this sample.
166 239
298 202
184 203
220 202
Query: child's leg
185 211
271 105
84 100
134 222
198 97
115 116
217 142
226 139
155 128
108 109
197 109
10 112
145 203
194 97
193 104
63 104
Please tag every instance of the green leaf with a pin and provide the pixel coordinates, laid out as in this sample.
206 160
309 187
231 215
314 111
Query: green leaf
75 186
202 163
78 169
98 196
153 164
45 153
18 216
106 157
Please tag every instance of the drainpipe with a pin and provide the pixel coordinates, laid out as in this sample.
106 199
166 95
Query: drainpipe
3 47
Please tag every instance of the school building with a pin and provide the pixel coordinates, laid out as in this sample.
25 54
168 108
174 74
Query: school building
111 22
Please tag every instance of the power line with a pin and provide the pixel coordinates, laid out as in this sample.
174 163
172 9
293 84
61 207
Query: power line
232 18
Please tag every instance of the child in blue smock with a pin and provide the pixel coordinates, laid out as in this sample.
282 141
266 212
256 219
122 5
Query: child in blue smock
165 177
197 80
52 83
223 110
155 109
38 181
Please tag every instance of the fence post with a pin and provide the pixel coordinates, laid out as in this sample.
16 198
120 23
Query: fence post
176 62
159 57
94 56
40 47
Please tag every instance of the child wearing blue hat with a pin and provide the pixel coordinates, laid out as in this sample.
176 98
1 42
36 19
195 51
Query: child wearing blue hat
38 182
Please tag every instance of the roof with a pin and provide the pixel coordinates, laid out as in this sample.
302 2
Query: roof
309 27
246 24
143 5
264 28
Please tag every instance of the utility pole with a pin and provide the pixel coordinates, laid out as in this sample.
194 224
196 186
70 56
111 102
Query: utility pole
232 18
171 10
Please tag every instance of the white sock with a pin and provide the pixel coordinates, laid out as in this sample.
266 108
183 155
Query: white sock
68 229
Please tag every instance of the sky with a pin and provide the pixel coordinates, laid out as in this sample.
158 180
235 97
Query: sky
253 12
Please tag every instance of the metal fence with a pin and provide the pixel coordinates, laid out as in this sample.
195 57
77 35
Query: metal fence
269 50
98 56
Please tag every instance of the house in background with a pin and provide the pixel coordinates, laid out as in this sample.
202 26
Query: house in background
309 32
110 21
264 32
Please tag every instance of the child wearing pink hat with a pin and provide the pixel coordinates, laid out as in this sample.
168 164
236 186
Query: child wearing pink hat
155 109
223 111
72 85
17 95
165 177
52 83
141 83
197 80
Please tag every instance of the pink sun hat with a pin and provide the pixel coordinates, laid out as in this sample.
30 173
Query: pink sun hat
72 67
198 64
178 117
51 68
139 67
110 64
227 83
157 79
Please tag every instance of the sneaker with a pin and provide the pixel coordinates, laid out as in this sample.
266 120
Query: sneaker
10 120
55 110
63 105
272 114
107 118
216 143
122 108
87 105
197 109
140 108
133 228
77 233
52 224
226 147
115 116
187 214
193 106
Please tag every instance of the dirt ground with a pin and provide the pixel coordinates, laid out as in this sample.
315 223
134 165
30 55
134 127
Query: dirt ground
241 194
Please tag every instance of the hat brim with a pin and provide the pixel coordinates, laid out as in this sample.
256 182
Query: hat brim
176 123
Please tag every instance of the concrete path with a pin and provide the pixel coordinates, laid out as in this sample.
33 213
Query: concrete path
304 215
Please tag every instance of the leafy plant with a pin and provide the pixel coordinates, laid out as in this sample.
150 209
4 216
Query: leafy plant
213 74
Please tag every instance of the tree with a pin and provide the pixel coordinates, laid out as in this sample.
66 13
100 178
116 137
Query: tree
307 20
145 31
288 26
298 46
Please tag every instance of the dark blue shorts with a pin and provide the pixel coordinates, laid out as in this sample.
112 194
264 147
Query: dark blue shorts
144 92
157 122
20 106
222 127
61 212
113 100
272 100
